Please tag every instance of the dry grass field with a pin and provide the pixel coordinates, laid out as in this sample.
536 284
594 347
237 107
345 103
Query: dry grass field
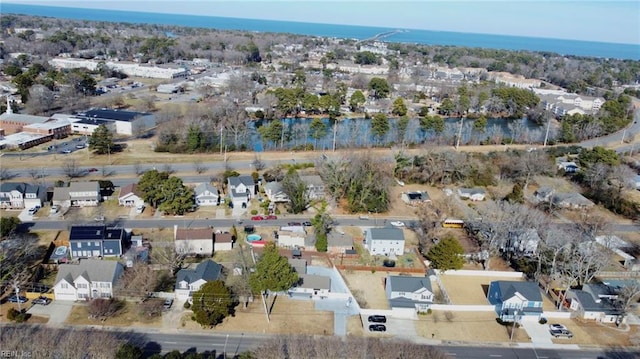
469 290
129 317
466 327
4 309
288 316
367 287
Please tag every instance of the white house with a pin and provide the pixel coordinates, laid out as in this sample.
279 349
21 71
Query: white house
312 285
91 278
222 242
17 195
472 194
384 241
193 241
130 196
586 306
189 281
206 195
408 295
241 189
275 192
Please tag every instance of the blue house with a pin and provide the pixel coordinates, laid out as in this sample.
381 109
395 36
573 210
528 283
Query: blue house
96 241
512 299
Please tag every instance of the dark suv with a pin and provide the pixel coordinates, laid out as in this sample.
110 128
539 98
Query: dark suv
377 319
377 328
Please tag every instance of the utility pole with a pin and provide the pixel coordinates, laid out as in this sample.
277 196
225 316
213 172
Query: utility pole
459 132
546 136
221 142
515 319
225 347
335 131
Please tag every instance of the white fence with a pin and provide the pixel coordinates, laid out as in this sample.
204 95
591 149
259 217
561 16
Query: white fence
558 315
481 273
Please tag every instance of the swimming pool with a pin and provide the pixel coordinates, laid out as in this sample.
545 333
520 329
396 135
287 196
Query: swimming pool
254 237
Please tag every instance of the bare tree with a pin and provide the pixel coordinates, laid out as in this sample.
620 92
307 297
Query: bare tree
139 280
199 167
628 297
151 307
71 168
41 100
258 163
35 173
137 167
6 174
106 171
167 256
102 309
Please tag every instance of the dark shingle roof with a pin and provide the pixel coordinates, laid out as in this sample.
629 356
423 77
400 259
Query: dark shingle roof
529 290
89 232
409 284
109 114
207 270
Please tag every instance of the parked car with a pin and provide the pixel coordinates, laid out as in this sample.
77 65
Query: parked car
17 299
561 333
55 209
258 218
397 224
364 217
66 151
307 223
99 218
80 146
168 303
377 319
271 216
41 300
377 328
93 169
294 224
557 327
140 209
33 211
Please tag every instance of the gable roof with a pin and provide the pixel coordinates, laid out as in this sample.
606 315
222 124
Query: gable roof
84 186
204 187
93 270
274 187
312 180
590 305
131 188
87 232
244 179
390 234
399 283
471 191
193 233
13 186
314 281
529 290
207 270
223 238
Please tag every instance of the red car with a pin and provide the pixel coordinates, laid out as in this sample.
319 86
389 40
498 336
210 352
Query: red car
271 216
257 218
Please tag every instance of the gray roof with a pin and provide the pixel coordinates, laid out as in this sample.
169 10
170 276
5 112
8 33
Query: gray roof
207 270
244 179
314 281
299 265
84 186
60 194
409 284
590 305
22 118
391 234
471 191
529 290
202 187
312 180
94 270
572 198
336 239
402 302
273 186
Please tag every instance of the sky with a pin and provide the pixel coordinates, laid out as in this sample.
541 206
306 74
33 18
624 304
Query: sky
605 21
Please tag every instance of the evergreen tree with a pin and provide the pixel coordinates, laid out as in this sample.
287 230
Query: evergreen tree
101 141
318 130
516 195
212 303
380 125
273 272
129 351
447 254
399 107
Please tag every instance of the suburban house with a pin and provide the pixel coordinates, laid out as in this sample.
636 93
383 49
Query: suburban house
513 299
472 194
591 307
130 196
339 242
206 195
241 189
78 194
312 285
222 242
193 241
384 241
96 241
407 294
415 198
190 280
625 250
522 242
17 195
571 200
91 278
315 188
275 193
290 238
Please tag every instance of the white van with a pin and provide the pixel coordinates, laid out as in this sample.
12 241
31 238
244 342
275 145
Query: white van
140 208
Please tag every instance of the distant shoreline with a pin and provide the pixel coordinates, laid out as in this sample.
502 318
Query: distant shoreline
424 37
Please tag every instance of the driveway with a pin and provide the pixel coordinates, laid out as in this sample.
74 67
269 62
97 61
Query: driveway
402 328
24 215
57 311
539 333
